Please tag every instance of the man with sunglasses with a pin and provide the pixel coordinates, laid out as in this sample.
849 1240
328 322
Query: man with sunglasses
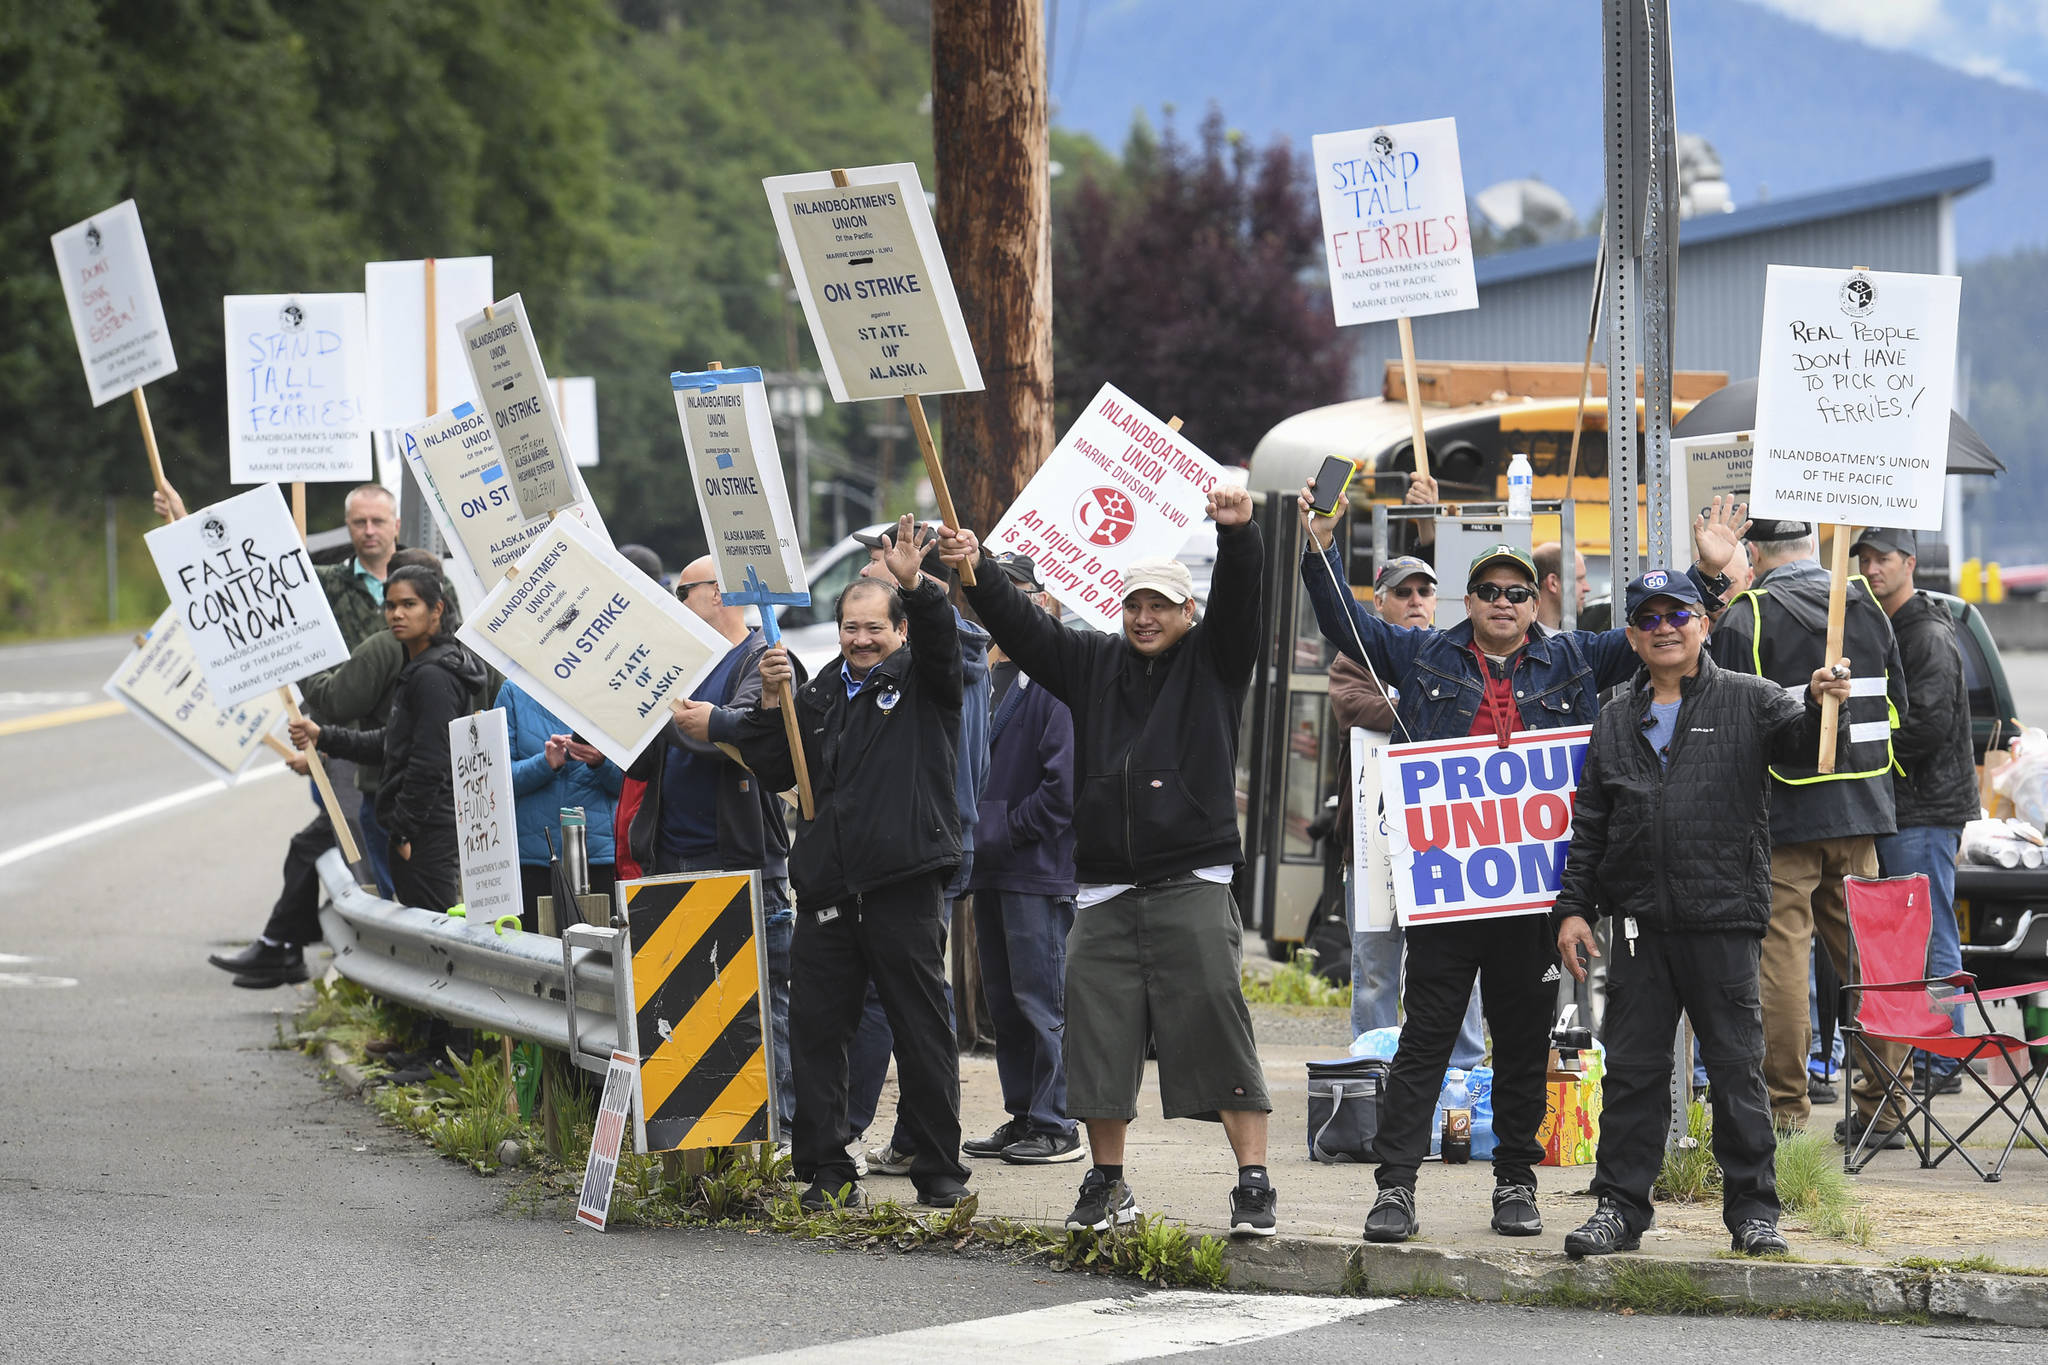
1670 834
1494 673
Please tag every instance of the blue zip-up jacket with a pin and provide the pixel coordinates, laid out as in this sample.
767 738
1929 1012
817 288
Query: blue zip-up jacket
540 791
1558 675
1024 841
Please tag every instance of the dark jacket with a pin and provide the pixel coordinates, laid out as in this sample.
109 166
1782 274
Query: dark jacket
358 614
753 832
442 682
882 763
358 693
1024 840
539 792
1793 598
1936 780
1688 847
1357 702
1155 739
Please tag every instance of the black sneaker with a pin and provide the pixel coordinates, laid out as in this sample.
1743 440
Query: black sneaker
942 1192
1015 1130
1043 1149
1948 1083
1392 1218
1103 1203
266 965
1514 1211
819 1197
1889 1141
1253 1209
1605 1232
1819 1091
1758 1238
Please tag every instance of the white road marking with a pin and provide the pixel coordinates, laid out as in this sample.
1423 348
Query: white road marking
50 842
1094 1332
32 979
44 698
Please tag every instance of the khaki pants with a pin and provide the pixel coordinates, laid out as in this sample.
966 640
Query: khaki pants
1806 892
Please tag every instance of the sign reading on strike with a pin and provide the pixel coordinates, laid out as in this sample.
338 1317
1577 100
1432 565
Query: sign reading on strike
298 387
873 281
737 473
1120 486
1476 831
1853 393
400 310
162 683
115 310
245 592
1704 468
1394 225
505 362
480 750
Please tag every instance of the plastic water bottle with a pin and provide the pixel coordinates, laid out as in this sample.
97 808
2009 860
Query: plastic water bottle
1521 487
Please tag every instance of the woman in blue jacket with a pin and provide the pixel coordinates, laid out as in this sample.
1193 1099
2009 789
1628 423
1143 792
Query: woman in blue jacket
552 768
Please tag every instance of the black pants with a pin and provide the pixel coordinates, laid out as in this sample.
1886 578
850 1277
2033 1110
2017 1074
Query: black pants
1713 979
295 919
895 937
1509 957
431 878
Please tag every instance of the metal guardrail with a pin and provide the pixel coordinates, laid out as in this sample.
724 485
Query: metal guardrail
512 983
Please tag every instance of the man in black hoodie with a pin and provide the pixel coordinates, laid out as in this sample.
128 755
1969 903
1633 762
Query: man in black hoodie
1156 944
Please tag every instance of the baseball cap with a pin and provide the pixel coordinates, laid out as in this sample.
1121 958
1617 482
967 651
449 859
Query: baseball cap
1888 540
1765 531
1167 577
1662 583
1397 571
1500 554
1019 566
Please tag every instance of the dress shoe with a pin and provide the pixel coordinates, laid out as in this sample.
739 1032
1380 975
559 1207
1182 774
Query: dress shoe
257 955
272 965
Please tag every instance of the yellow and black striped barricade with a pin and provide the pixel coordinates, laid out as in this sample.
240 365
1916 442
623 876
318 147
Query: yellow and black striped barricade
699 987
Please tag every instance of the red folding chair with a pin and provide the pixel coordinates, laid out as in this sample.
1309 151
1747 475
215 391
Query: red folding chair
1890 999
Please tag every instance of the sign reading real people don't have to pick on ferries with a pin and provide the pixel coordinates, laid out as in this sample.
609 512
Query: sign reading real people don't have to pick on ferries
1852 398
1394 225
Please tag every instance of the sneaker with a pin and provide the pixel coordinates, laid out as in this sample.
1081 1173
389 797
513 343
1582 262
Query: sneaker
818 1198
1605 1232
942 1192
1891 1140
1514 1211
889 1160
1103 1203
1015 1130
1758 1238
1043 1149
1819 1091
859 1158
1392 1218
1252 1211
1948 1083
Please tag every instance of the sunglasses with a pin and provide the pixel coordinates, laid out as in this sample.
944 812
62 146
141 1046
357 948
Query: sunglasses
1678 618
1516 593
1410 591
683 589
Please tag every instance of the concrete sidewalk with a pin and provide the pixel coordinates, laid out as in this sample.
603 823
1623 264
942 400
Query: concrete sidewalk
1184 1170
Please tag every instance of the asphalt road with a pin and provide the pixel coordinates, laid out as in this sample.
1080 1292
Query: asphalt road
174 1187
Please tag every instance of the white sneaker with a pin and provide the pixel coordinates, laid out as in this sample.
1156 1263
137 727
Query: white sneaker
887 1160
860 1158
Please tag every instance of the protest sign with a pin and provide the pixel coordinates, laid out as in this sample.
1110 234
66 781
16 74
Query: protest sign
873 281
1854 386
505 362
595 640
480 752
1372 867
417 364
1477 831
455 460
243 588
737 472
1704 468
298 387
614 1108
1120 486
1394 227
576 401
116 312
162 684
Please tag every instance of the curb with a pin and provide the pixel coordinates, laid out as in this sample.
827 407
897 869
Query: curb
1325 1265
345 1071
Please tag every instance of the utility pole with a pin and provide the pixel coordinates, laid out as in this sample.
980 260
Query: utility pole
989 135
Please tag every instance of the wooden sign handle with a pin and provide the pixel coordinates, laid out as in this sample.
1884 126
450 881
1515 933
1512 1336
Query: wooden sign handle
1414 393
433 359
299 508
1838 602
342 836
156 460
796 753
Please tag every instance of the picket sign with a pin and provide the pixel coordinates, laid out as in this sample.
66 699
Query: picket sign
1372 864
601 1169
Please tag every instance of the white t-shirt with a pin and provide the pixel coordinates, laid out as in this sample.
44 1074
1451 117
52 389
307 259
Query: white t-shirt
1086 896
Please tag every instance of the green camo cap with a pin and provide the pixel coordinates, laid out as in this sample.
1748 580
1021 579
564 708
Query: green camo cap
1500 554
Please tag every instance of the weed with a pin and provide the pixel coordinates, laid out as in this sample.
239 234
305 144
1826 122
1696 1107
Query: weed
1427 1284
1294 982
1690 1173
1966 1265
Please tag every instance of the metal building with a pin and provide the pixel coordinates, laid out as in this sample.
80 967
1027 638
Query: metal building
1532 303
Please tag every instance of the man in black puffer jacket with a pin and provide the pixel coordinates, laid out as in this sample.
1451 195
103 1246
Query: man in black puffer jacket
1671 834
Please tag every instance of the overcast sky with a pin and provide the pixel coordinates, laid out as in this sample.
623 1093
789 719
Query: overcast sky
2006 40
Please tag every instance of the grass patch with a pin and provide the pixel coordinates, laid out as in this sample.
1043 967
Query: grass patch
1294 982
1690 1173
1812 1184
1967 1265
53 568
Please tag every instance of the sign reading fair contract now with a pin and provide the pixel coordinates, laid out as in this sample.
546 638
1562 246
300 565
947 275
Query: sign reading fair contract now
1476 831
1120 486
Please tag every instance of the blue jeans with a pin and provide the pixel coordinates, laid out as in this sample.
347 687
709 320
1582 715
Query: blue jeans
1021 940
1931 849
376 846
867 1059
1376 994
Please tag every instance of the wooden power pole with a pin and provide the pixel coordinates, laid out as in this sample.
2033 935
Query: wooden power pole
989 131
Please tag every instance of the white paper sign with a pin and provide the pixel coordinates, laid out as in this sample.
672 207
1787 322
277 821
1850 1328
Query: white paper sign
1394 225
162 684
737 472
1120 486
243 588
576 401
1702 469
1853 394
403 325
480 751
298 387
116 313
595 640
1372 868
873 281
505 362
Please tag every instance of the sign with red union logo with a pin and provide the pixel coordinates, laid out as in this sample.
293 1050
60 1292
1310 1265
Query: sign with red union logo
1121 486
1477 831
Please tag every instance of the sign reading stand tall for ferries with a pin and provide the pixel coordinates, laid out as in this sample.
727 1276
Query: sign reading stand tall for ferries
1394 226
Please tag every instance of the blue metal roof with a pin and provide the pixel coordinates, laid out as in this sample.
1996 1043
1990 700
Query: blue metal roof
1580 252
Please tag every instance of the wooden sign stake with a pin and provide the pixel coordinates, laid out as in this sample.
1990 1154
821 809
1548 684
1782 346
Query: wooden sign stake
433 376
299 508
1414 393
1571 474
156 462
1838 602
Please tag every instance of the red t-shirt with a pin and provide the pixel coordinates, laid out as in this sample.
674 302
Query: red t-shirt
1497 715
